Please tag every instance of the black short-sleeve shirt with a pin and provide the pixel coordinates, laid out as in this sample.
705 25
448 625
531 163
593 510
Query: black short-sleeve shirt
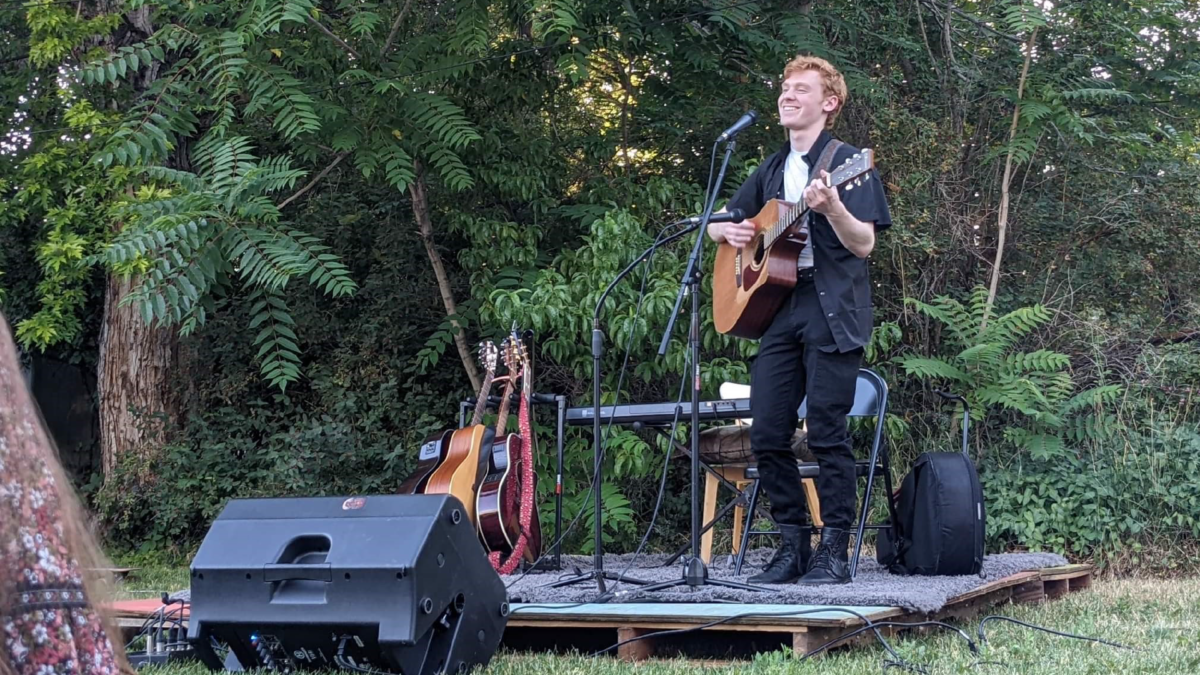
843 284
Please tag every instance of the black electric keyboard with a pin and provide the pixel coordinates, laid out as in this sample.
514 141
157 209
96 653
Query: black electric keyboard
661 413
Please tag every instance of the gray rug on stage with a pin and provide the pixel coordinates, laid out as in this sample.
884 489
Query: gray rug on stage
872 586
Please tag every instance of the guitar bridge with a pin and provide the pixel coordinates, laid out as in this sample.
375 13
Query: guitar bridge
737 273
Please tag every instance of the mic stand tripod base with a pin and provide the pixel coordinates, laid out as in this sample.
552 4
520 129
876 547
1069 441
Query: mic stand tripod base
695 575
599 577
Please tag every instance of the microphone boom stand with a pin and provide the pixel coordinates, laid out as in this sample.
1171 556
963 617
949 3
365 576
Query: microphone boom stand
598 572
695 573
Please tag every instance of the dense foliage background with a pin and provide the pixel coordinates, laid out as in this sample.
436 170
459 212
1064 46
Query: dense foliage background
321 207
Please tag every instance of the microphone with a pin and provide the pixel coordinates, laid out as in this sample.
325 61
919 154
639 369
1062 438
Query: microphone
731 216
746 120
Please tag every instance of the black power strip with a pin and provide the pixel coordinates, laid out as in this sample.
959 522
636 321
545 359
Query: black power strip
140 660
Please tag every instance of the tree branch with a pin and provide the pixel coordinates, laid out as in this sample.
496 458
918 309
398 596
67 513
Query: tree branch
387 44
336 39
420 205
979 23
925 39
1002 225
336 160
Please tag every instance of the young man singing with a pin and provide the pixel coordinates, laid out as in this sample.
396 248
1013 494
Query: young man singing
814 345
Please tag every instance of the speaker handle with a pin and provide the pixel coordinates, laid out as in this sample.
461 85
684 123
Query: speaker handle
301 572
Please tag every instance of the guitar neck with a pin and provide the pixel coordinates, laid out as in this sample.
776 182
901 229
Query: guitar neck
787 219
502 418
523 413
481 400
784 222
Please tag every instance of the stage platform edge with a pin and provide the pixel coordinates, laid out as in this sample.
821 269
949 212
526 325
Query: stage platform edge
587 628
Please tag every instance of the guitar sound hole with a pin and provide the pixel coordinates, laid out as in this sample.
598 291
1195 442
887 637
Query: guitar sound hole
759 251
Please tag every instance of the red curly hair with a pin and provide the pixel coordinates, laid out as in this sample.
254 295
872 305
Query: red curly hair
832 82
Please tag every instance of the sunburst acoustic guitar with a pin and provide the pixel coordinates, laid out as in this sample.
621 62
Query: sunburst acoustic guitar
432 453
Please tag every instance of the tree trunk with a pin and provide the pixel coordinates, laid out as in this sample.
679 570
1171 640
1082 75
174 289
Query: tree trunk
138 405
1002 224
137 401
425 227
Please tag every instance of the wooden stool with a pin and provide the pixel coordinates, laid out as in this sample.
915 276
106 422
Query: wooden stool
736 474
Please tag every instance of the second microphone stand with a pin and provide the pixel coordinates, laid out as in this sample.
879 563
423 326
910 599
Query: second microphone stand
597 573
695 573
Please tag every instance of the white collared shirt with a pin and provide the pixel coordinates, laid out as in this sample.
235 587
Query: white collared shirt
795 179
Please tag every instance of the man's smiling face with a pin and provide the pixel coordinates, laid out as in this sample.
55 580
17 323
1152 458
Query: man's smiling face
802 101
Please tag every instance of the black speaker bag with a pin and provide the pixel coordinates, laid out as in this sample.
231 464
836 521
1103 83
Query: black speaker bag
396 583
941 521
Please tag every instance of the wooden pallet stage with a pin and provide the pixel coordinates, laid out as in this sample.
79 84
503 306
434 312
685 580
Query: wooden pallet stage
590 628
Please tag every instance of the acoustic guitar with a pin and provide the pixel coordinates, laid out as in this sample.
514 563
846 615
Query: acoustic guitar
499 525
749 284
460 472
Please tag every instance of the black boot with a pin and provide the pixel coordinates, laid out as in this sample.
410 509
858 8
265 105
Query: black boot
830 564
791 558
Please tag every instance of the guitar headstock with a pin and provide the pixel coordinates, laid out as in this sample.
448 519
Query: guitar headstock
521 354
488 355
514 351
854 171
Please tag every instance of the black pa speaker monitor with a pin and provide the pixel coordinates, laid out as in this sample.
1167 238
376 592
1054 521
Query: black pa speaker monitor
390 583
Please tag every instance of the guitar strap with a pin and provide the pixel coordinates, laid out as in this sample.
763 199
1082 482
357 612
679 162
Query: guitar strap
826 158
527 492
824 161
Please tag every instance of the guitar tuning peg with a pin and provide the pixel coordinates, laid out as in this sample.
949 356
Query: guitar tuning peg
849 187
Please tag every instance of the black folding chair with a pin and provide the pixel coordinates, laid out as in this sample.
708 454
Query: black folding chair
870 400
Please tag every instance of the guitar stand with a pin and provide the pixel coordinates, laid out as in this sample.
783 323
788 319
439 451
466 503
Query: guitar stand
553 563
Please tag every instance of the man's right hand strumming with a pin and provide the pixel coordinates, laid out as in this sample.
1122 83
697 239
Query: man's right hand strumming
735 234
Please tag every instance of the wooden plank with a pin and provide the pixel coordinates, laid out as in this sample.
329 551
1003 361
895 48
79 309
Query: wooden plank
117 572
968 608
655 626
142 608
129 626
804 632
739 521
807 640
1066 572
1055 588
1079 583
677 614
1031 591
709 512
634 651
1006 582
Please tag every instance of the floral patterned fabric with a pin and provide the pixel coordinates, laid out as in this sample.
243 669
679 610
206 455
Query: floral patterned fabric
46 624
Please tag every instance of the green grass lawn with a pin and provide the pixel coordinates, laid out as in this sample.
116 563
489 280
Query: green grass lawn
1160 618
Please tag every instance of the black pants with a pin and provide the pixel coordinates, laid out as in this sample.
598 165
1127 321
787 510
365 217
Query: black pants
797 356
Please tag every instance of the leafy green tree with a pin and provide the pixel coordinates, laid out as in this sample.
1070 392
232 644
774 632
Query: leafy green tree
471 164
